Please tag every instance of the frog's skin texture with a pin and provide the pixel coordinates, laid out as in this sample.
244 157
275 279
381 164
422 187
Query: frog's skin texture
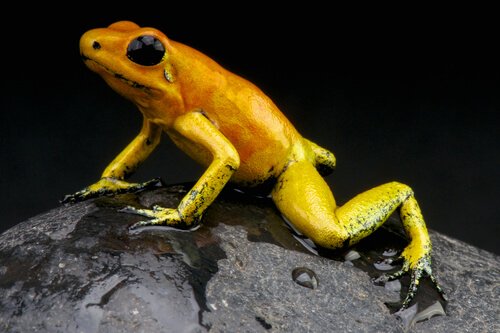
229 125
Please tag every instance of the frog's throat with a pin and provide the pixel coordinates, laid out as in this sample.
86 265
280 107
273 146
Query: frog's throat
121 77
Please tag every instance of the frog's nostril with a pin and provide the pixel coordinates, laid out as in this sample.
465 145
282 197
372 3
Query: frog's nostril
96 45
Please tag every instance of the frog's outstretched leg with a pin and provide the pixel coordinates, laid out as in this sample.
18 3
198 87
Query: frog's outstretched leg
305 199
112 179
225 161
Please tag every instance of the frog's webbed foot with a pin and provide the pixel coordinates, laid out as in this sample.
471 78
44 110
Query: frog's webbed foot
421 268
110 186
159 216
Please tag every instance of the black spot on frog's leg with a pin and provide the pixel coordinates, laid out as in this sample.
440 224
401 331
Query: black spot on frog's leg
128 171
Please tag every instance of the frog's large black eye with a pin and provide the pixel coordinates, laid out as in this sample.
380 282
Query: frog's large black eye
145 50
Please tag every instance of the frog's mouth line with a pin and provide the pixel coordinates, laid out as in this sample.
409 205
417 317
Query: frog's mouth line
119 76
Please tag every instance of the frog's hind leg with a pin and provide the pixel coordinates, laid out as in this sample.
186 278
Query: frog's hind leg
305 199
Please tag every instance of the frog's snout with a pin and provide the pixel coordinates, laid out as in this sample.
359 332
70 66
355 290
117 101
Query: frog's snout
89 43
92 47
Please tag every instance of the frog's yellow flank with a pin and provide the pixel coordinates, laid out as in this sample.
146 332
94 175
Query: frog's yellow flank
229 125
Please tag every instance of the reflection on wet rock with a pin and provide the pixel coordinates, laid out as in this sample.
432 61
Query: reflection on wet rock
305 277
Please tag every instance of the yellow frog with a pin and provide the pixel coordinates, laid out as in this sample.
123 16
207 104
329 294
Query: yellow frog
229 125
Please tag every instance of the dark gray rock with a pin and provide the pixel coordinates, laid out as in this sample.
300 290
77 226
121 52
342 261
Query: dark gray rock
78 269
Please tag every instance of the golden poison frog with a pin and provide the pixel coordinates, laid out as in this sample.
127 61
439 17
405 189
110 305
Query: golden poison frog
230 126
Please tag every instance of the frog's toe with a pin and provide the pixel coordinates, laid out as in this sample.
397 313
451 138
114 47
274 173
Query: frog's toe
80 196
145 223
421 269
137 211
416 275
437 286
382 279
69 198
150 184
159 216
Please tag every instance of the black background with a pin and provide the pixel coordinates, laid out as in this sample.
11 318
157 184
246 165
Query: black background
413 98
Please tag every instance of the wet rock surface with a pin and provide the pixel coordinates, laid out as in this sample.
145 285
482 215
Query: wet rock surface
77 269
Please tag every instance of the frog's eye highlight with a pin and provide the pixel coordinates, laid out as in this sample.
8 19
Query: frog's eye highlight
145 50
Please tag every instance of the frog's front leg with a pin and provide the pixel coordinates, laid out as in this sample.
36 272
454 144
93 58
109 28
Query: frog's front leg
112 179
198 130
305 199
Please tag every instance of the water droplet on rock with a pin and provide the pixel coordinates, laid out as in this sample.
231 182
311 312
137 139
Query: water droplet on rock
352 255
390 252
305 277
383 265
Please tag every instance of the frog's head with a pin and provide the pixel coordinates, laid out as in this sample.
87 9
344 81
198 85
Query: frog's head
134 61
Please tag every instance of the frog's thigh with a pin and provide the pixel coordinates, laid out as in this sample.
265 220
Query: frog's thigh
305 199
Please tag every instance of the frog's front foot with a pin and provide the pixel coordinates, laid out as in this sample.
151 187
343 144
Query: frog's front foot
417 270
110 186
159 216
